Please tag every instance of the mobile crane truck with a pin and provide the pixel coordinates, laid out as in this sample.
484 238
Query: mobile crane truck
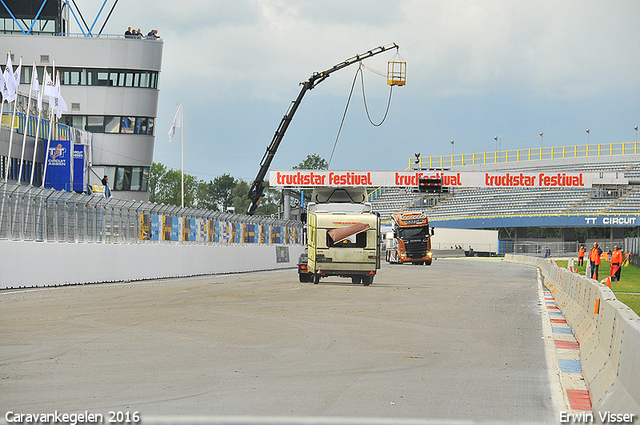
256 191
410 241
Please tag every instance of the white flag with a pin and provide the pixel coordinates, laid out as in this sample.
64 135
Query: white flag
61 105
49 87
9 90
16 74
177 122
36 85
3 87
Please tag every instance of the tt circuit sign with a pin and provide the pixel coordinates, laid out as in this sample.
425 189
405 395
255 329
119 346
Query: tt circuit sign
316 178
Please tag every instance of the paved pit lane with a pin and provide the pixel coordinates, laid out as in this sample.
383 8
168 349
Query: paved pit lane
461 339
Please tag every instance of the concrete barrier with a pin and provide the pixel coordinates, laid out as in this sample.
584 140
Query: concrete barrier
31 264
607 330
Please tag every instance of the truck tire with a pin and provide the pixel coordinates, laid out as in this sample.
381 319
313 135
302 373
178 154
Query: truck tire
316 279
367 280
356 280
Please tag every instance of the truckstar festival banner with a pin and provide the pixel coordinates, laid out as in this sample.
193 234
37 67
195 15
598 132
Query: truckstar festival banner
316 178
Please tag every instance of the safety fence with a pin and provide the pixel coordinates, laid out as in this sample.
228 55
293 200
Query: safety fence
30 213
532 154
632 245
607 330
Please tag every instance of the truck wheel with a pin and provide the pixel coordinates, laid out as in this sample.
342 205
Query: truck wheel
356 280
367 280
428 263
316 279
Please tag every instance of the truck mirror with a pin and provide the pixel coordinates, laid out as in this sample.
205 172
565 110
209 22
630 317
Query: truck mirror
433 231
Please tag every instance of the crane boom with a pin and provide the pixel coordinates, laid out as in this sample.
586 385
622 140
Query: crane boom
256 192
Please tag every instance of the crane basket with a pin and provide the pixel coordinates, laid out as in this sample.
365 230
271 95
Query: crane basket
396 73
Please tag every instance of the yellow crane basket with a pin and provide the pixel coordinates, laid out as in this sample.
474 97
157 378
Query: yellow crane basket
396 73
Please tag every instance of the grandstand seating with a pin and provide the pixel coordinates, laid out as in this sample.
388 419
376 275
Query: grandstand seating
483 202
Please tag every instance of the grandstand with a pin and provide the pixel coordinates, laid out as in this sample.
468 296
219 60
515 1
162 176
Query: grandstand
523 207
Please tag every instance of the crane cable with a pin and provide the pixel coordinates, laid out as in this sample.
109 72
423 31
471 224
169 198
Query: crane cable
367 109
344 115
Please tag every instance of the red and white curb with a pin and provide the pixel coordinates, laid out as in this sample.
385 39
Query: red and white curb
569 389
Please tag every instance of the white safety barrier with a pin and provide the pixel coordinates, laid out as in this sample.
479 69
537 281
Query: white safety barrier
607 330
35 264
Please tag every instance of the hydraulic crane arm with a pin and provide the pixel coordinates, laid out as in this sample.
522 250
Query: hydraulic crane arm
256 192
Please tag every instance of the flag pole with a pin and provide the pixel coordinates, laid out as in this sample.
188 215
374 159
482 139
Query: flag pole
178 120
13 118
46 152
182 147
35 143
26 126
5 84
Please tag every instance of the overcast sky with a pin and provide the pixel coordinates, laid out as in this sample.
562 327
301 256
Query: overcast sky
475 70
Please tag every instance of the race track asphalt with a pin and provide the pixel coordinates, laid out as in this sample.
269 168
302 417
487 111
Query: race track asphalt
461 339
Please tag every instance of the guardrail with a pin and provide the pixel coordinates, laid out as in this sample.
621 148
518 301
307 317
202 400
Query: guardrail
532 154
607 330
30 213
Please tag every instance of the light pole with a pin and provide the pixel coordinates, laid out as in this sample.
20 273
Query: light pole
636 129
588 134
453 143
541 139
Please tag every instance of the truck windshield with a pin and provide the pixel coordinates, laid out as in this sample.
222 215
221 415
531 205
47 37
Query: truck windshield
414 232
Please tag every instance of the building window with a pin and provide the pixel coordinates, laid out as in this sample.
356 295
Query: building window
141 126
102 78
127 125
96 77
112 124
125 178
95 124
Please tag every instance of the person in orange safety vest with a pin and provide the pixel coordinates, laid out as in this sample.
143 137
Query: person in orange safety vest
581 255
594 259
616 264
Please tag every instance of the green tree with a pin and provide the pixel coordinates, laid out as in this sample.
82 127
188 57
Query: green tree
240 201
165 186
270 201
222 191
155 174
205 197
312 162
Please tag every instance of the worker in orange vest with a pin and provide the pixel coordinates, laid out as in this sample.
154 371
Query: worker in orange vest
581 252
616 264
594 259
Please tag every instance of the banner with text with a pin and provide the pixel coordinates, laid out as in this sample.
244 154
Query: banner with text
59 159
320 178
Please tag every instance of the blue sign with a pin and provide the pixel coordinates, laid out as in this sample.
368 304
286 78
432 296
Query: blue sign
58 165
599 220
79 168
156 227
175 229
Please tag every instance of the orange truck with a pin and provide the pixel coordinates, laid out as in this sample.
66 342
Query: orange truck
410 240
